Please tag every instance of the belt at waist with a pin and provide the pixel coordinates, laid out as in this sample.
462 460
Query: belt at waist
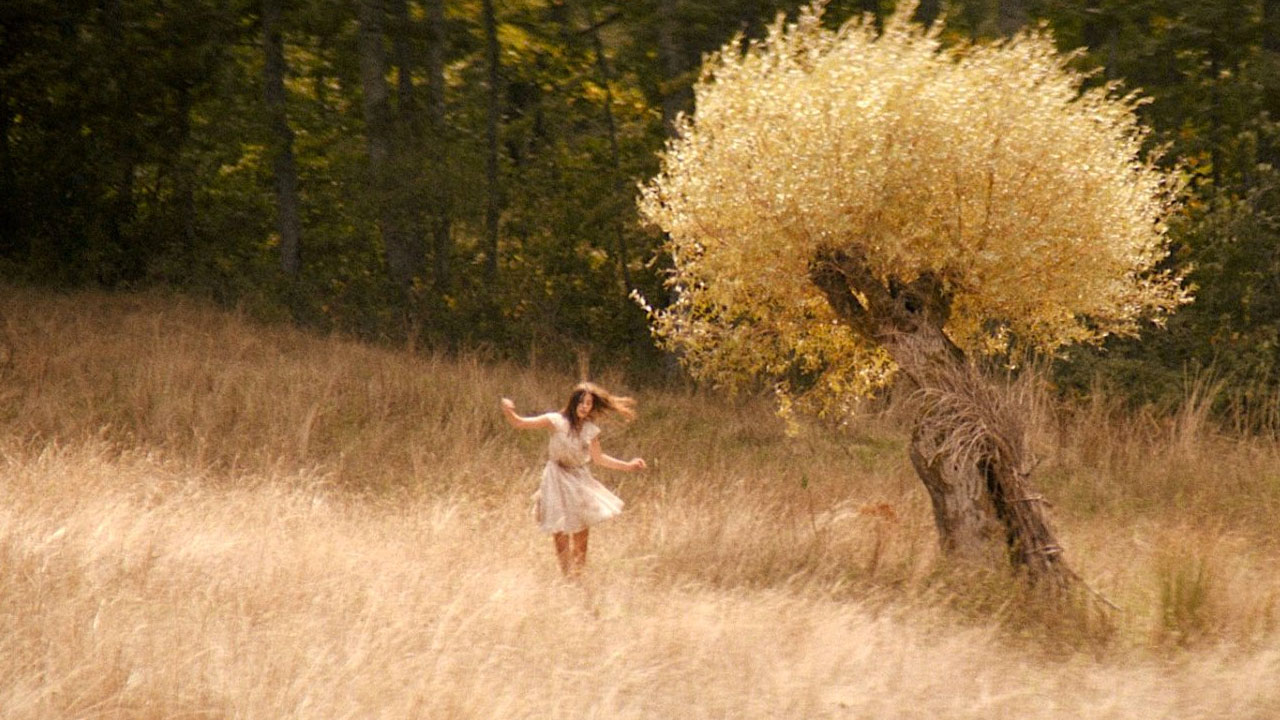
568 465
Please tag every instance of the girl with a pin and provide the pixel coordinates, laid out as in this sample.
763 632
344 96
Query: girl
570 500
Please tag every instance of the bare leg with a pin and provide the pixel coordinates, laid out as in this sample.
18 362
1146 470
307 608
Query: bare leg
571 552
563 553
578 551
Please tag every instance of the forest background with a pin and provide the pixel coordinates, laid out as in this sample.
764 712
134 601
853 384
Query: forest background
463 174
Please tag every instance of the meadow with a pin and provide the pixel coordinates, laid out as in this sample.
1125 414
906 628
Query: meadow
206 517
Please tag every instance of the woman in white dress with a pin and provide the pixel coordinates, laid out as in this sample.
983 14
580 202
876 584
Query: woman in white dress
569 500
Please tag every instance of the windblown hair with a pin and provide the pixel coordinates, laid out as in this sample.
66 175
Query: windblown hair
601 401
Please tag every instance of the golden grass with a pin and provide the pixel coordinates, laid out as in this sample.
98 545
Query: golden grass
203 518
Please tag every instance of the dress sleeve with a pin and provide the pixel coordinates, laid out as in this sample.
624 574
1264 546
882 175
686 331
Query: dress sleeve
558 421
590 431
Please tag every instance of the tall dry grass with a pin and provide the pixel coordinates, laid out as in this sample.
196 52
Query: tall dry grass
200 517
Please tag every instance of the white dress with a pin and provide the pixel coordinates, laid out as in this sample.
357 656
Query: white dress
569 498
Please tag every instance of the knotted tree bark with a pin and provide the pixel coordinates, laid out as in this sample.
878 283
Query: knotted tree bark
969 441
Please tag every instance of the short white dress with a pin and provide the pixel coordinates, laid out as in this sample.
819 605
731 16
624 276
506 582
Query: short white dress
569 498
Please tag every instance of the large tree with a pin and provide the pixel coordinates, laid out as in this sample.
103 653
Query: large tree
848 207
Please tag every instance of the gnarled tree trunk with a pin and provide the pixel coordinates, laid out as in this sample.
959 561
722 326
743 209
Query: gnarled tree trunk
969 441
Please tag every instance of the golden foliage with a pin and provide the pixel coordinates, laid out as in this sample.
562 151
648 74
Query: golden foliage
985 165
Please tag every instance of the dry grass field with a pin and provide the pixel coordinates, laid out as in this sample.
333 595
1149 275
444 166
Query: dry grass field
201 517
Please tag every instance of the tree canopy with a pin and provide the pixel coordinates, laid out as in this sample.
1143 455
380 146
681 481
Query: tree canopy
984 169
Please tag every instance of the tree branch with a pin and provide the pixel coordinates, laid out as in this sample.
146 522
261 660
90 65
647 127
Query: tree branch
836 275
886 313
602 22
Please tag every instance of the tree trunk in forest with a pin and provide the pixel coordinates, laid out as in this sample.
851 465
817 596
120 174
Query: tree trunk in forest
184 178
131 266
402 54
1271 25
677 97
402 260
969 441
121 211
288 219
615 159
927 11
409 134
493 181
1011 16
11 220
996 18
677 93
441 214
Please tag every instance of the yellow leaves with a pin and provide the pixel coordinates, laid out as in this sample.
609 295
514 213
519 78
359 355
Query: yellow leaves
251 157
984 165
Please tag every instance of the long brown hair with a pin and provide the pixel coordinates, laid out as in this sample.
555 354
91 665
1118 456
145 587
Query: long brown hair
601 401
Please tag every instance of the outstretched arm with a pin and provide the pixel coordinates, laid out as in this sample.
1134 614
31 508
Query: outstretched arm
599 458
523 423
